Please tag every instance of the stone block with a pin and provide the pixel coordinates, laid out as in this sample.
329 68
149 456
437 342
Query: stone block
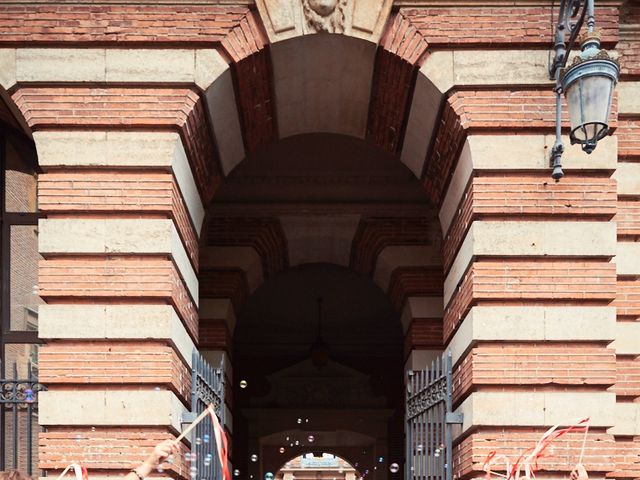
114 322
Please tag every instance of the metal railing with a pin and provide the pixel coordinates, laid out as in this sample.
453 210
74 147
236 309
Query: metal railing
429 421
207 387
19 421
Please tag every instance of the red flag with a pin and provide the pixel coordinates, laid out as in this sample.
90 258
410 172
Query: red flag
221 443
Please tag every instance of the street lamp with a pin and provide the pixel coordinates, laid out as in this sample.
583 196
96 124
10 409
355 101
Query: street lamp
587 83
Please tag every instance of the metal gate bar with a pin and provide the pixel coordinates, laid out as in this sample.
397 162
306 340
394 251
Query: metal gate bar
429 421
18 417
207 387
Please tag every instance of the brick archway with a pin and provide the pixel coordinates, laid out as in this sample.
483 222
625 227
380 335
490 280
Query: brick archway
476 137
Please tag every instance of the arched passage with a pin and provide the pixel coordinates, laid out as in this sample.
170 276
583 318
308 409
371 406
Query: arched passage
324 374
317 215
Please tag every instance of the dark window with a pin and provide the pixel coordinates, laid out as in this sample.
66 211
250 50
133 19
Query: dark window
19 301
19 259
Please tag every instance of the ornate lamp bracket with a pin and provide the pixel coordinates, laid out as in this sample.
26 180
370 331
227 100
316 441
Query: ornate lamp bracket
570 20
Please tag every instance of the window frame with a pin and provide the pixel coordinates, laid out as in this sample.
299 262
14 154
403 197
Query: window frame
8 220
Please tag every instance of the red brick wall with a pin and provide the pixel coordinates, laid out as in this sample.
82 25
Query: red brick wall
506 281
136 364
117 279
119 193
534 364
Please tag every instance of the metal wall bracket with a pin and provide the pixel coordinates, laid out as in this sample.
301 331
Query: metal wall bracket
454 418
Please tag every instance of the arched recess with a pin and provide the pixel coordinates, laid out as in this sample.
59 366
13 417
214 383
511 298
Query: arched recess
294 82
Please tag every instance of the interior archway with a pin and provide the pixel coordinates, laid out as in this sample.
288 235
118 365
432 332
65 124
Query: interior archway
315 216
319 465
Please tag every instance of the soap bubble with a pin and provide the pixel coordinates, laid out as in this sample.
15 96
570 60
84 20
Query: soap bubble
254 458
207 459
169 459
206 438
193 471
281 450
198 441
380 459
236 473
299 420
394 468
419 448
78 438
93 429
243 384
160 469
187 457
297 442
436 453
311 438
269 476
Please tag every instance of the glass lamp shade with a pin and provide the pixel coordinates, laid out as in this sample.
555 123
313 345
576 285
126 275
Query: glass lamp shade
588 86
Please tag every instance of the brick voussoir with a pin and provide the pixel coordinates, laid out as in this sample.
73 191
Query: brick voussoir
113 449
530 196
570 364
73 363
180 109
534 281
118 193
118 279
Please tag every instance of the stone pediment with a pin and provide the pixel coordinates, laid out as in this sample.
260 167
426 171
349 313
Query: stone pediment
285 19
304 385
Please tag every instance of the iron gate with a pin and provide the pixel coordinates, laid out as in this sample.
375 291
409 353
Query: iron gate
19 420
429 421
207 387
